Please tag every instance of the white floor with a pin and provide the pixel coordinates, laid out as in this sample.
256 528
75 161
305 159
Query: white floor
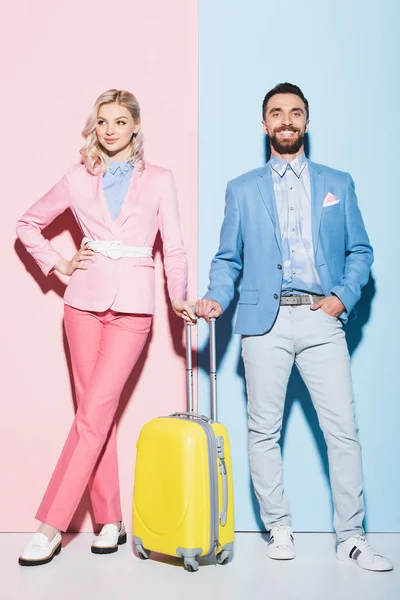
315 574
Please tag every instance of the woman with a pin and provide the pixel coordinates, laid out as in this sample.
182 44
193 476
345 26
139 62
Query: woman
120 202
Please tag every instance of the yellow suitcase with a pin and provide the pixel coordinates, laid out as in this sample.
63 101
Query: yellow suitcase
183 495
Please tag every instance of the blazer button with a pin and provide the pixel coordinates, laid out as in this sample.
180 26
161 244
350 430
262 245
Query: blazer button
276 296
280 267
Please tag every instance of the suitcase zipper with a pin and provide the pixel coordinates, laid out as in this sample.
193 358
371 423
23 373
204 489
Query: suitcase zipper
213 469
204 423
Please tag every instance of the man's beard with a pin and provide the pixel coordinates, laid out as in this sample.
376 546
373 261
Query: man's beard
286 146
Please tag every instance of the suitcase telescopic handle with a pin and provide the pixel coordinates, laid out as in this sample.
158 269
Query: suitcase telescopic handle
213 371
189 369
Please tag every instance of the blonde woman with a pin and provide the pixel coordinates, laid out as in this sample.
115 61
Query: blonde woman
120 202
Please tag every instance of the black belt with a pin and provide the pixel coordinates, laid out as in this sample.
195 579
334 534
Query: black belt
300 300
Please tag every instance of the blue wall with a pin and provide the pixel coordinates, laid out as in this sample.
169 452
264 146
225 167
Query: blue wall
345 57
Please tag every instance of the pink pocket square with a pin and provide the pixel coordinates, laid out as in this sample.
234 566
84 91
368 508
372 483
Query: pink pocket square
330 200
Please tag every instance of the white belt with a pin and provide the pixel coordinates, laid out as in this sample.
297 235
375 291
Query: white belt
115 249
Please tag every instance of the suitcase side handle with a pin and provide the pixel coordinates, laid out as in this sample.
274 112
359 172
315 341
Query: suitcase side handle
192 415
223 515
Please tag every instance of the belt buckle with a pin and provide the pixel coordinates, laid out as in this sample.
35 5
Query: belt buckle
114 250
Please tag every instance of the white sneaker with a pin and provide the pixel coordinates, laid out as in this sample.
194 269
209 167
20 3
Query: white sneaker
109 538
356 549
40 551
281 543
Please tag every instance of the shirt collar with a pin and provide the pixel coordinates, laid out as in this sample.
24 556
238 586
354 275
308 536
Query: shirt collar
281 166
122 168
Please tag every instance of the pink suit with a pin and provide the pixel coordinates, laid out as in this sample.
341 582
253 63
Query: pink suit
126 285
107 318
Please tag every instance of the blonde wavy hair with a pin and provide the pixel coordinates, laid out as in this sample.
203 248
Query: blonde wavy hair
94 157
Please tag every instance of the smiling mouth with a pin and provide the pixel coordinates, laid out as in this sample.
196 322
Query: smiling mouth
287 133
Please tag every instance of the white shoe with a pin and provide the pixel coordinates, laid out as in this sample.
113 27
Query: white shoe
356 549
281 543
40 551
109 538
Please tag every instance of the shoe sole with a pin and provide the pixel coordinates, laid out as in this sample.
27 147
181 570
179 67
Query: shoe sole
351 561
43 561
281 557
110 549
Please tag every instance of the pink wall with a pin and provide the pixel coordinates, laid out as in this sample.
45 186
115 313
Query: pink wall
60 58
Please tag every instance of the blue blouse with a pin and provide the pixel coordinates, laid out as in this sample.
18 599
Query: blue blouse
115 185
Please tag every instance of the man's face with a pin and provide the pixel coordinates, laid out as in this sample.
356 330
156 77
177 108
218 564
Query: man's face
285 122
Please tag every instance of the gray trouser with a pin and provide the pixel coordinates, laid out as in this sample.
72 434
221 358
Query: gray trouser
316 343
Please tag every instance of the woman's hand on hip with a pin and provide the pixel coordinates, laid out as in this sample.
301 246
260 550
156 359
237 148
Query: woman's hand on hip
184 309
81 260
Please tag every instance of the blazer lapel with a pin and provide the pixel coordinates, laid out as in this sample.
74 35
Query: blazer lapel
132 196
317 199
266 188
97 186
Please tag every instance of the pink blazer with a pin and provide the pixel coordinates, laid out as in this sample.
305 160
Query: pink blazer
126 284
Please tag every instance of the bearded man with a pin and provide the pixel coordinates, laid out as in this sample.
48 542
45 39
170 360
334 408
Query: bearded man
294 230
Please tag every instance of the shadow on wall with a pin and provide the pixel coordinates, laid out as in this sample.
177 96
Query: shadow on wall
296 391
66 222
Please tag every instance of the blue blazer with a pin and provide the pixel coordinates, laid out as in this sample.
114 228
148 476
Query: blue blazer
250 242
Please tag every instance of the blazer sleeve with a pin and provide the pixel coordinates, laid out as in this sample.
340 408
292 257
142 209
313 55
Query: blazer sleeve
359 253
227 263
175 258
42 213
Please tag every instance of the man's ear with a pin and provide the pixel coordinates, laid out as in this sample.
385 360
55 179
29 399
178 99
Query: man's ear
264 124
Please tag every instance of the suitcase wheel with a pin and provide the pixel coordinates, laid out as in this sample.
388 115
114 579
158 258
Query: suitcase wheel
191 565
224 557
143 554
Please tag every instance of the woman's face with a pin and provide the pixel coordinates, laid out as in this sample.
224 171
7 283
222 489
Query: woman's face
115 127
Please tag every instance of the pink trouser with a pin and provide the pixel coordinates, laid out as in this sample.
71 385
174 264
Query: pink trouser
104 348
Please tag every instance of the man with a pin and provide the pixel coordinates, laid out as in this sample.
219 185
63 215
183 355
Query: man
295 230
